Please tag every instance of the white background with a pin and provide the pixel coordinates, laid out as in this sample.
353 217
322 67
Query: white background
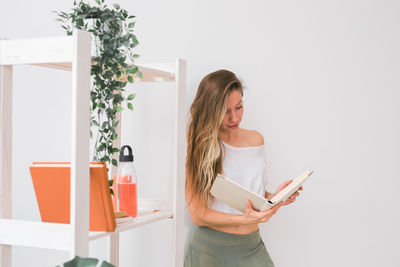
322 82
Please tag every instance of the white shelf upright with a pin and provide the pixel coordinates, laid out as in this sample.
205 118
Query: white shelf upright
73 53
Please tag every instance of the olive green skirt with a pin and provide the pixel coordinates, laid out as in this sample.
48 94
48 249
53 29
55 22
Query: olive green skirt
212 248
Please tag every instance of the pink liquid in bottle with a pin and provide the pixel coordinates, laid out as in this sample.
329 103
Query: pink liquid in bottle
127 194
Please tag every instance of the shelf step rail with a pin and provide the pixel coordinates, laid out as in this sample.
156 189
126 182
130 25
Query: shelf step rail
5 154
75 236
178 198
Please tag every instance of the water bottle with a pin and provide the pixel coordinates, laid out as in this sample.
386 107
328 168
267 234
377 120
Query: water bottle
126 183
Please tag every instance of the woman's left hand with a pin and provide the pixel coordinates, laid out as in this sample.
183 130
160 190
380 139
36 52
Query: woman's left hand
293 197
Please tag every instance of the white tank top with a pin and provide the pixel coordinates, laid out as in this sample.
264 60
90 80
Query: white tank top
246 166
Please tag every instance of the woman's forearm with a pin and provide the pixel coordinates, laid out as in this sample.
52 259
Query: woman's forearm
210 217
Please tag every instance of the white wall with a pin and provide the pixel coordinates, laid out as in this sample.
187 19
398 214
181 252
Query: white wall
322 79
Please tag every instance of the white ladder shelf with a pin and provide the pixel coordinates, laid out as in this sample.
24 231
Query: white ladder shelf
73 53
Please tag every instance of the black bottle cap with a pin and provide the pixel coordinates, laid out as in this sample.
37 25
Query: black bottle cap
123 157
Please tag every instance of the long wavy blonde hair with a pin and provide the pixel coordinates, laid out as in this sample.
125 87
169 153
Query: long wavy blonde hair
204 148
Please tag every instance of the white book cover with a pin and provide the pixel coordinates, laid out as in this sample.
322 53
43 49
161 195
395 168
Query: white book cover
236 195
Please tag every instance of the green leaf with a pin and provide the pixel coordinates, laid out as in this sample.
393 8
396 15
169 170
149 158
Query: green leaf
132 24
132 96
106 264
95 123
118 98
79 23
93 95
130 106
115 68
114 162
109 96
97 79
98 2
116 6
115 124
115 150
105 158
101 147
132 69
114 136
119 109
130 79
108 74
110 113
78 261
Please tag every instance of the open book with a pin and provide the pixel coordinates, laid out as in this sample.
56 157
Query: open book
236 195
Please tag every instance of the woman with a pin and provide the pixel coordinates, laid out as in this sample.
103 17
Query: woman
216 144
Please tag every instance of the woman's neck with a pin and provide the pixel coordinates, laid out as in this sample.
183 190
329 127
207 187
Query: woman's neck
229 137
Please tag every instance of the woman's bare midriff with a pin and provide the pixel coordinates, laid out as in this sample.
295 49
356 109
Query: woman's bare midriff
239 229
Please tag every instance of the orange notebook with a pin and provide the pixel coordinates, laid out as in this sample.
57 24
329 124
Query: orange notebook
51 181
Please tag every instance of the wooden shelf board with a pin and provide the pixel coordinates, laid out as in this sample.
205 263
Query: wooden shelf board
57 53
149 74
145 216
35 234
57 235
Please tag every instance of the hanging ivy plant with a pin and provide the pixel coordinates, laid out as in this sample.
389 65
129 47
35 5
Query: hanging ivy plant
112 31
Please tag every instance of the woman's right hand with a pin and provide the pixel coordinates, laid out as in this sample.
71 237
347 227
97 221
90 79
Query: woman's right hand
252 216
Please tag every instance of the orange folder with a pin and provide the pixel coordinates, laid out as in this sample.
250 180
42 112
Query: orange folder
51 181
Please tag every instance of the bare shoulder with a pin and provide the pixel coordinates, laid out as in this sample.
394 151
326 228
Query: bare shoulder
252 137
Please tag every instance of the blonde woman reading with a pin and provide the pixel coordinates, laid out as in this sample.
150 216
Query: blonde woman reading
224 236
